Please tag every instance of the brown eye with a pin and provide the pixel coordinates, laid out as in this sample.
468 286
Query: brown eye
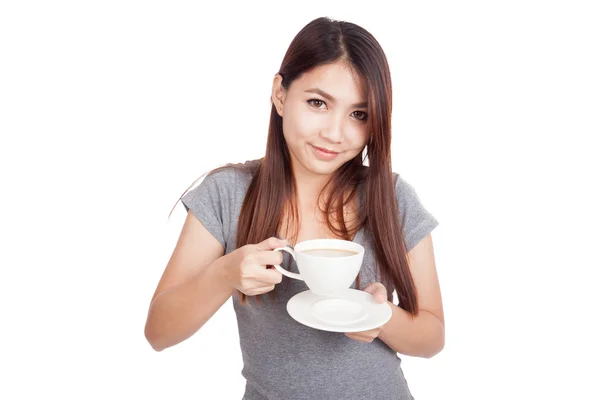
360 115
316 103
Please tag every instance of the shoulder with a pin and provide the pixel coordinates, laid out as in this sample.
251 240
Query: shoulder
416 219
401 186
232 176
403 190
222 184
406 195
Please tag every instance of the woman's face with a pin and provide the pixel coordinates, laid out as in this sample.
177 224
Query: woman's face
324 115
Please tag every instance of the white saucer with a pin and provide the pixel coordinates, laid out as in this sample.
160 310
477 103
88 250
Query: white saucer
353 311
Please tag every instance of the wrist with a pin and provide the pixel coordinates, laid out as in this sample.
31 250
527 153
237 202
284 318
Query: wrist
221 267
385 327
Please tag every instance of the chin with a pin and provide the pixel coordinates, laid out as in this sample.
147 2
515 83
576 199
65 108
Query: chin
320 167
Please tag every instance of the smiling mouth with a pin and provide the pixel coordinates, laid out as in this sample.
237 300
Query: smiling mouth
325 150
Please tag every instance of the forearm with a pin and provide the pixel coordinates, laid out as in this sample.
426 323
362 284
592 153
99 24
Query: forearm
181 311
421 336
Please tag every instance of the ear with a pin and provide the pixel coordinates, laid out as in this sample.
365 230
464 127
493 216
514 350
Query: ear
278 94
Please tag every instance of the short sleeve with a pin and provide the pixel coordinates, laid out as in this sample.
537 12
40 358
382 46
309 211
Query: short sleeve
417 222
209 202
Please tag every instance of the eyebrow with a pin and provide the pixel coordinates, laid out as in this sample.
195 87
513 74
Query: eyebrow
330 97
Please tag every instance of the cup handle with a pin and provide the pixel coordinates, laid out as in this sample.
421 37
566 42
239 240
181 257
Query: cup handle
284 271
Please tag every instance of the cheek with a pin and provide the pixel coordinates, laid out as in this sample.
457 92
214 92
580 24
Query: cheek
358 136
299 125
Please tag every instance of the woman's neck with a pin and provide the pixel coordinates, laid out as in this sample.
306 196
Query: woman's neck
309 187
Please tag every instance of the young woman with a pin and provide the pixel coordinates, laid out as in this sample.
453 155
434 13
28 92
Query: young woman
326 173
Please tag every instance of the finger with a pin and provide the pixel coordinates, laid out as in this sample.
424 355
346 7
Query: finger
266 289
269 257
270 276
259 290
378 291
371 333
271 243
360 338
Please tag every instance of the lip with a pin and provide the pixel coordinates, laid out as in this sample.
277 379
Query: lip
324 155
325 150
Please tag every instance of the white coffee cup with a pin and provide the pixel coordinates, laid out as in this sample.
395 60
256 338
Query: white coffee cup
328 266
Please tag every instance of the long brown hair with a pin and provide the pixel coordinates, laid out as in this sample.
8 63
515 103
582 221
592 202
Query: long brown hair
271 196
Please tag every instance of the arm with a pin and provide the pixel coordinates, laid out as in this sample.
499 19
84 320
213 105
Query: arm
423 335
192 288
199 279
420 336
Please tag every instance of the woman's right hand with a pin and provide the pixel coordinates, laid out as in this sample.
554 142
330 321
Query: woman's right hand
247 267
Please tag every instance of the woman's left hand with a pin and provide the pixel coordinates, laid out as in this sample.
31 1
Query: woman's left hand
380 294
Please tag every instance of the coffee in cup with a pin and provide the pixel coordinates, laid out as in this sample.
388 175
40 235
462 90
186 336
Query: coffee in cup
328 266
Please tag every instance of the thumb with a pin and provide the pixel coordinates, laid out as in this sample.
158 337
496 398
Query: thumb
378 291
271 243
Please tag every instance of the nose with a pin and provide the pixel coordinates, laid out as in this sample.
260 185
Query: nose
334 129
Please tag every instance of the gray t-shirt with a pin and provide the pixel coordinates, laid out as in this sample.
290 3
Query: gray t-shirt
283 359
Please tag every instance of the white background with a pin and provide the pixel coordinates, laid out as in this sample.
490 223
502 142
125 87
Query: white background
110 110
